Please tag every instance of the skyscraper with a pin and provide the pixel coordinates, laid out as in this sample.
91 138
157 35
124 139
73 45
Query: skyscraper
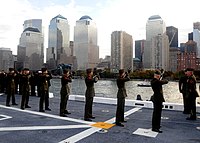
196 37
30 52
6 59
172 33
86 49
156 48
58 41
121 51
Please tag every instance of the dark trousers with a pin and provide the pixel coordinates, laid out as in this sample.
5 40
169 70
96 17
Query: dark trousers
44 98
38 91
33 90
10 93
186 104
156 118
120 110
88 107
63 103
192 107
25 99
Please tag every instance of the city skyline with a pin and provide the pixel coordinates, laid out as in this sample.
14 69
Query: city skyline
109 15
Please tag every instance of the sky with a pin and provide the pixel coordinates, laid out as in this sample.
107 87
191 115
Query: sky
110 15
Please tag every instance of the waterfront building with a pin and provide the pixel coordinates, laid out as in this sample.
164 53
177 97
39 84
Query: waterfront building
58 50
139 52
6 59
156 47
172 33
121 51
86 49
30 53
196 36
173 56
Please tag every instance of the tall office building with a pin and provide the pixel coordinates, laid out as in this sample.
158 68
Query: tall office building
58 42
30 52
156 48
121 51
196 37
172 33
6 59
86 49
139 53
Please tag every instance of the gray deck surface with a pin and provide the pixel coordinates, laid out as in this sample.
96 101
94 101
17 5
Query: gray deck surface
31 126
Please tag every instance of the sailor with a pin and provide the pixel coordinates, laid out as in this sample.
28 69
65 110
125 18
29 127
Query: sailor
10 79
191 94
24 79
64 92
121 95
44 80
89 94
183 90
157 99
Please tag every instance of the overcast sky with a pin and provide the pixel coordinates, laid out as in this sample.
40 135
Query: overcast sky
110 15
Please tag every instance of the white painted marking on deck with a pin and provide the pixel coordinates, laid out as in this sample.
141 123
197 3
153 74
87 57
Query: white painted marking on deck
93 130
51 95
48 115
145 132
1 94
30 128
198 128
5 117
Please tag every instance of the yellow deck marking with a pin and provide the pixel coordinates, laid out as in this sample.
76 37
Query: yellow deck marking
103 125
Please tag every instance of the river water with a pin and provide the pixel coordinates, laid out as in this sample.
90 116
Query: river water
108 88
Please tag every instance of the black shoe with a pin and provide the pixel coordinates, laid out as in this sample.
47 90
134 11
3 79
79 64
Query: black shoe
27 106
8 105
92 117
191 118
63 115
22 108
87 119
66 112
14 104
119 124
41 111
48 109
157 130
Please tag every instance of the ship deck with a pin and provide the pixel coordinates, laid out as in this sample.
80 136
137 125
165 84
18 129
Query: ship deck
31 126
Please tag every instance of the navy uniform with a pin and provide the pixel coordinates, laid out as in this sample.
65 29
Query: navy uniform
44 80
157 99
25 83
191 94
183 90
64 92
2 81
121 95
10 89
89 94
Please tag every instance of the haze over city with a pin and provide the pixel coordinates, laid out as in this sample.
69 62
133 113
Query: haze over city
110 15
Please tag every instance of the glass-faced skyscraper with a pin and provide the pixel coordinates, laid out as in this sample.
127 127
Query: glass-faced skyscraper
86 49
30 52
156 49
58 41
172 33
196 37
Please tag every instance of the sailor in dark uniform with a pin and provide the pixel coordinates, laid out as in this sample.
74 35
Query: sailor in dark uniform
191 94
121 95
157 99
89 94
44 80
24 79
10 89
183 90
64 92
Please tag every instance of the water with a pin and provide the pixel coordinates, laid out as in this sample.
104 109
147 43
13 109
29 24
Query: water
108 88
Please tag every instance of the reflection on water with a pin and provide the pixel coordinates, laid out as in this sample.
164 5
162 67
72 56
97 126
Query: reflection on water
108 88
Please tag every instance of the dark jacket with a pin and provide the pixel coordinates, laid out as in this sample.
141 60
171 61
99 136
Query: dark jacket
191 87
182 84
90 87
65 87
24 79
157 89
121 87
